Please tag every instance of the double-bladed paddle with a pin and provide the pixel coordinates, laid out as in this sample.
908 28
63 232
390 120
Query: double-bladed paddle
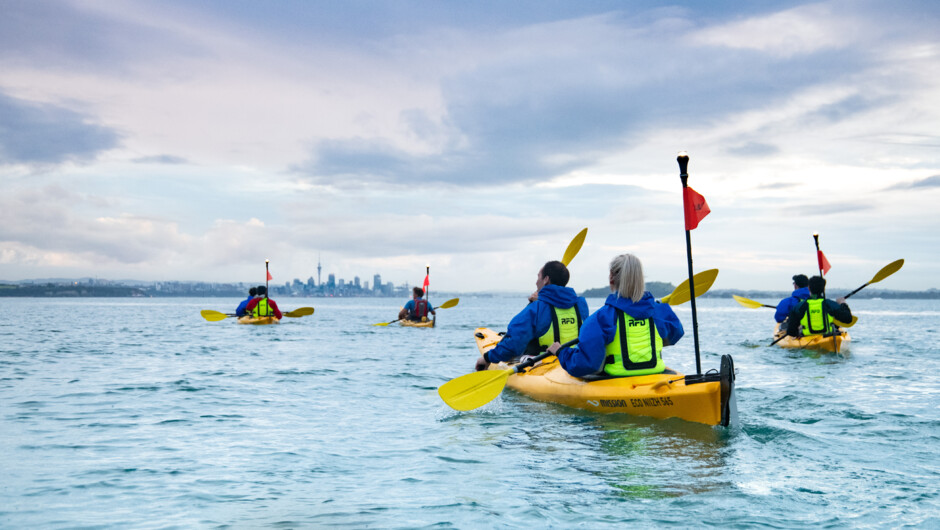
215 316
754 304
446 305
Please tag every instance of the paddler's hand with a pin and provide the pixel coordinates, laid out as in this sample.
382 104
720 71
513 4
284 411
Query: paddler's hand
840 300
534 296
553 349
481 364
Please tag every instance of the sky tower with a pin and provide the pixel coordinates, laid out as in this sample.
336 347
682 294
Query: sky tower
319 268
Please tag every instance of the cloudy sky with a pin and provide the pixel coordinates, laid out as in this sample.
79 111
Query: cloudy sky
179 140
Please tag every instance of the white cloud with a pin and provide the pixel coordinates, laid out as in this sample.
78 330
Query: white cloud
798 31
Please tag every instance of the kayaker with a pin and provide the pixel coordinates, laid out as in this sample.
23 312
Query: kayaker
555 315
262 306
417 308
800 293
242 310
815 315
626 336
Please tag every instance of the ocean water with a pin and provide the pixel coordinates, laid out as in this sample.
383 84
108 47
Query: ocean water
137 413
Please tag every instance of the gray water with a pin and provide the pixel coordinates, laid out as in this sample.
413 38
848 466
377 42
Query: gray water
139 414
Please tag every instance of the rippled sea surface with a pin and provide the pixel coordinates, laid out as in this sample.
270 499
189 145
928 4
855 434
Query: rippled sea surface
139 414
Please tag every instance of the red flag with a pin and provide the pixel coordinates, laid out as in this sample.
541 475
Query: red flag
426 281
269 276
695 208
824 265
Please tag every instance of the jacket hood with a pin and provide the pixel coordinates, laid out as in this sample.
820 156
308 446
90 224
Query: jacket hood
802 292
561 297
643 308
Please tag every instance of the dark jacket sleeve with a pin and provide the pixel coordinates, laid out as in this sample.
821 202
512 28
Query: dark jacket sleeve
793 322
840 312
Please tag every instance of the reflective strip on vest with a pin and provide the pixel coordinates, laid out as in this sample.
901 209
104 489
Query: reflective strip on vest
261 309
816 321
566 323
636 349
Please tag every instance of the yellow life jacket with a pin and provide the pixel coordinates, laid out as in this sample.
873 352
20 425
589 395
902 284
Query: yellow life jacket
261 309
816 320
636 349
565 326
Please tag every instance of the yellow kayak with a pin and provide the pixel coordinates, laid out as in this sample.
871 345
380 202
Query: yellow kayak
425 323
835 344
258 321
705 399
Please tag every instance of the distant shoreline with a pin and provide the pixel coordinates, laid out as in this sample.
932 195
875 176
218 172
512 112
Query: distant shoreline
658 289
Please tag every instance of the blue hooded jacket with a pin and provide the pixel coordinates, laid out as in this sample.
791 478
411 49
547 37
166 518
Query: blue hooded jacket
241 309
599 329
790 303
534 321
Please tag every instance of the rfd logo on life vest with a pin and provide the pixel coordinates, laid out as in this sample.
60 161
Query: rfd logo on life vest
637 323
569 320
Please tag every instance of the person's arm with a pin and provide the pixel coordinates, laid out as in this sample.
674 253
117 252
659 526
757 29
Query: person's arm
783 309
839 311
668 324
251 305
277 312
405 311
520 331
793 321
588 356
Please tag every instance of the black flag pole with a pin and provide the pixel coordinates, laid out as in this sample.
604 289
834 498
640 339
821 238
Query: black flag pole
683 160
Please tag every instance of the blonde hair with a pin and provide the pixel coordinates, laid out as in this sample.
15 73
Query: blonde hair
627 273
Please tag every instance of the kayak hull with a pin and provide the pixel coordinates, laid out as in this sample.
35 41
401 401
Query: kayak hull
416 324
258 321
662 396
835 344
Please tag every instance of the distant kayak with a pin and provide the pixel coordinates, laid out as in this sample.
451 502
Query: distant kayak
666 395
258 321
834 344
417 323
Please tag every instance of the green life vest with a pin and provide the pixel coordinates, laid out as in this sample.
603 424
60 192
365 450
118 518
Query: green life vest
566 323
636 349
816 320
261 309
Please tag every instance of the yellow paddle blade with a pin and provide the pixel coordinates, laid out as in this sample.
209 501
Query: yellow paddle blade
888 270
450 303
212 316
746 302
847 324
382 324
682 294
299 312
574 247
474 390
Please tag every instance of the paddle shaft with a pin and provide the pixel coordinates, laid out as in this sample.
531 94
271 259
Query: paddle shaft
885 271
522 366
